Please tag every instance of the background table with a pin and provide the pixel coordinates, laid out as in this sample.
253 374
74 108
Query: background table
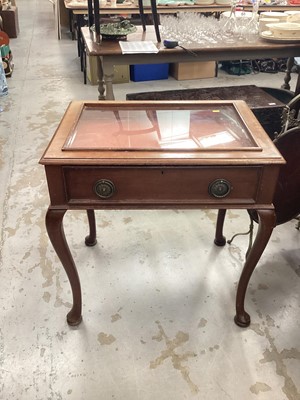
78 11
109 53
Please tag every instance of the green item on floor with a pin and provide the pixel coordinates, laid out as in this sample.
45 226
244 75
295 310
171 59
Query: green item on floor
237 67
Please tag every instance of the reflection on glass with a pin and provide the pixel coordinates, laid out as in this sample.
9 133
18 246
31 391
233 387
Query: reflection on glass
174 129
210 127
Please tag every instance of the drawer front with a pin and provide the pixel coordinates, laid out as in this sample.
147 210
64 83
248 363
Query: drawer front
161 185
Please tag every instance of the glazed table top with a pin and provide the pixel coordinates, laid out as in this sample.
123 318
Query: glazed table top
196 132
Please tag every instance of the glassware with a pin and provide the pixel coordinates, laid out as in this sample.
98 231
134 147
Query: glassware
230 26
252 26
189 28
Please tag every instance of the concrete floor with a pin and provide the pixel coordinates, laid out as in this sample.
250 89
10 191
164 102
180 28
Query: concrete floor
158 295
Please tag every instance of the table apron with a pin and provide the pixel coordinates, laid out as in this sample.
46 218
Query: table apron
162 187
130 59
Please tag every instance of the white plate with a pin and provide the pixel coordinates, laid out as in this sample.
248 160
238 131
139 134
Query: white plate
204 2
292 12
285 30
274 14
267 35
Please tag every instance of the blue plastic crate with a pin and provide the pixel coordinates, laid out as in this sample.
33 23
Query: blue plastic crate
149 72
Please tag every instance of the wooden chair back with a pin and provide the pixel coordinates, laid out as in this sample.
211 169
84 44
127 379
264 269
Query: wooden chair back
287 193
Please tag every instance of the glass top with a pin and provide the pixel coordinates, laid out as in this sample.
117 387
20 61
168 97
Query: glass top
207 127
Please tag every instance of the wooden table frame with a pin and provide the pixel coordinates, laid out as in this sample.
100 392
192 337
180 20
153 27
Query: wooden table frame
149 180
77 13
109 53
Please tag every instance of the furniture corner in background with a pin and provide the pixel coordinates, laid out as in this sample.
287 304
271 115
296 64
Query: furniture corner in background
10 21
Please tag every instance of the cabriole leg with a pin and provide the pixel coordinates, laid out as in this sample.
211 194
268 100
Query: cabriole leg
54 225
267 222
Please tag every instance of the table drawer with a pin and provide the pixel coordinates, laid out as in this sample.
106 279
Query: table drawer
161 185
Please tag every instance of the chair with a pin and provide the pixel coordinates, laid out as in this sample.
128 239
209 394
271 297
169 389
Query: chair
287 194
286 198
290 115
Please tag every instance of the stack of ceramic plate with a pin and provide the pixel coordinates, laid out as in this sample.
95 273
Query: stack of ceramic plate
293 16
223 2
282 31
263 22
204 2
274 14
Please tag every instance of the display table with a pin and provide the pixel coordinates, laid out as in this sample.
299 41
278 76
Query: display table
77 8
109 54
77 13
159 155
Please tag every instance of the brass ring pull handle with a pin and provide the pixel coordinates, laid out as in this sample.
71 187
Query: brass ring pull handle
104 188
219 188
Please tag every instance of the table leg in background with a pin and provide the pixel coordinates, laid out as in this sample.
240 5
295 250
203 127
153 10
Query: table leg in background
101 87
91 239
287 78
108 74
220 239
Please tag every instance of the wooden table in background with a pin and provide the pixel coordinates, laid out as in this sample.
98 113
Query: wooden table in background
109 53
77 11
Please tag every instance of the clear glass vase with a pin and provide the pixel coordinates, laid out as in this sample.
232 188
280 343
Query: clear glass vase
251 32
230 25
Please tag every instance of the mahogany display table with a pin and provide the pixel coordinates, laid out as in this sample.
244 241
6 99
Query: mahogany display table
160 155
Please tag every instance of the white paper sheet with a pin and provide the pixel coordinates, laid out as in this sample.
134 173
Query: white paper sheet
138 47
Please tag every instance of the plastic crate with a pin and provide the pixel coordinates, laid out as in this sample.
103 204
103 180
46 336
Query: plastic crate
149 72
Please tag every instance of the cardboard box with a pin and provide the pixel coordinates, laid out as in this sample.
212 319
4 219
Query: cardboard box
193 70
121 72
149 72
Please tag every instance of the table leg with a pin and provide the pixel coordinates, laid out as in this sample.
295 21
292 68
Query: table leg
287 78
80 44
101 88
90 13
220 239
267 221
297 88
142 14
54 225
91 240
71 24
108 74
155 20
